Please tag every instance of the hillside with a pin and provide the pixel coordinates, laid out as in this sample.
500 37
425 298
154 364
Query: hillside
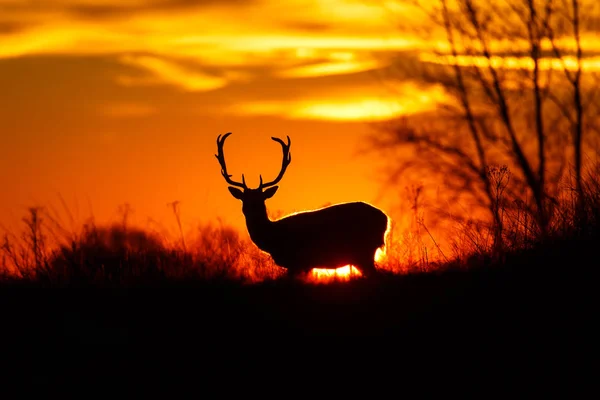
529 316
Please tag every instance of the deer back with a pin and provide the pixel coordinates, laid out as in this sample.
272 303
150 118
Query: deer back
338 234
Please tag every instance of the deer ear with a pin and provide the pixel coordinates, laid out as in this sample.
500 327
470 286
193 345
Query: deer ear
268 193
235 192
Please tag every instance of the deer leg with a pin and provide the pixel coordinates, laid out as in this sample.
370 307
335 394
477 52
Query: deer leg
367 266
294 273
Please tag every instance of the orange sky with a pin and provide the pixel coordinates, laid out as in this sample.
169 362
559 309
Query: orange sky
108 102
105 102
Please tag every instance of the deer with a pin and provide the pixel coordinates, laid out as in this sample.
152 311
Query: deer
329 237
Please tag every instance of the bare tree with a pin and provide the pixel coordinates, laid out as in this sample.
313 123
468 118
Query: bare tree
518 98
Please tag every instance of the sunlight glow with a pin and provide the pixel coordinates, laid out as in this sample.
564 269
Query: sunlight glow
353 109
330 68
290 41
349 108
343 273
380 254
569 62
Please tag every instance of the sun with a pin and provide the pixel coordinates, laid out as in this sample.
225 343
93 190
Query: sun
344 273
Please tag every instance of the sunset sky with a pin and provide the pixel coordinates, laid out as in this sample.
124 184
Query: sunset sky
106 102
112 102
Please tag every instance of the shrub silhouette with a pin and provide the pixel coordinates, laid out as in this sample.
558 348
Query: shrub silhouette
118 255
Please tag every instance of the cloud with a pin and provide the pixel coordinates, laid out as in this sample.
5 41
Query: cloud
352 109
229 33
107 8
176 74
47 16
330 68
118 9
265 42
352 104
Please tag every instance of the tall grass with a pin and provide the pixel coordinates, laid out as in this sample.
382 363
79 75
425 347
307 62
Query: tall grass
413 247
122 255
45 252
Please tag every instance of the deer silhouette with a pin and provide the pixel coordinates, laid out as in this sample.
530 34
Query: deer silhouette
330 237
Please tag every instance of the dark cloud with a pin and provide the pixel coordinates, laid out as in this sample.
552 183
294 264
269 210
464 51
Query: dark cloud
32 11
116 10
8 27
19 17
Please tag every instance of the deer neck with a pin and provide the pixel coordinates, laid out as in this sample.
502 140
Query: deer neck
259 226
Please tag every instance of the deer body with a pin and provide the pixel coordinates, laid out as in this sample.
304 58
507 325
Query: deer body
331 237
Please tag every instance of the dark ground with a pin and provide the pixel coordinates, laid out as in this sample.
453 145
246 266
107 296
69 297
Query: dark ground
526 325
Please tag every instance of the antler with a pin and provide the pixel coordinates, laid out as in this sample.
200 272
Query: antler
287 159
221 158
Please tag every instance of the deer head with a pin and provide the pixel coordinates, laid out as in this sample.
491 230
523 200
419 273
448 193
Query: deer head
253 200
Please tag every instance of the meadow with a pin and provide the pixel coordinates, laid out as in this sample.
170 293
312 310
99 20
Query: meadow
117 305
